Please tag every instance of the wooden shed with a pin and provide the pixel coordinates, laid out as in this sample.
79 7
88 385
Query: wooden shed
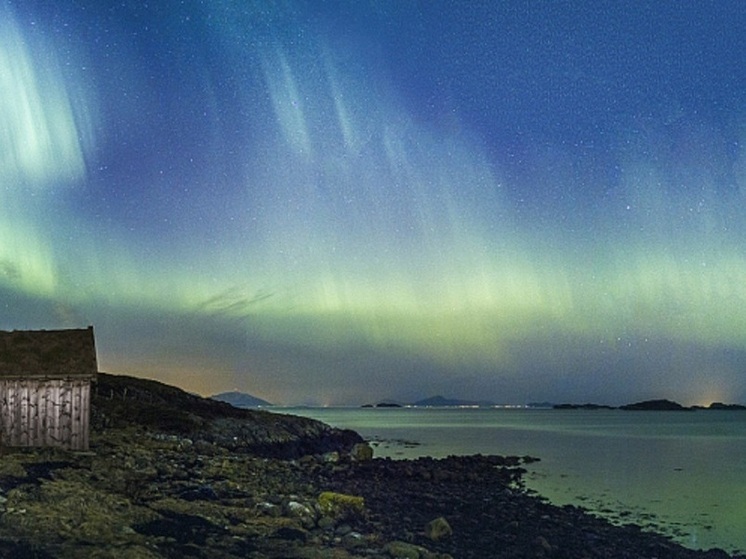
45 387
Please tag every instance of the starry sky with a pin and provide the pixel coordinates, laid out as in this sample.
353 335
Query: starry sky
337 202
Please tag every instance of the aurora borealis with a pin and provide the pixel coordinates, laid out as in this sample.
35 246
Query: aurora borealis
339 202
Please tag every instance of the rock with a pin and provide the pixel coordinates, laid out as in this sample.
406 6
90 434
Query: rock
331 457
438 529
326 523
201 493
295 508
361 452
343 530
307 517
289 533
340 506
269 509
353 540
543 546
403 550
314 553
11 467
72 511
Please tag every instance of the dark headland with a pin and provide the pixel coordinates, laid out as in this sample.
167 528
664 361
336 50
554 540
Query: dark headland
173 475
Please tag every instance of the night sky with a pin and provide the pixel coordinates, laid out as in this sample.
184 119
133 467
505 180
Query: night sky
345 201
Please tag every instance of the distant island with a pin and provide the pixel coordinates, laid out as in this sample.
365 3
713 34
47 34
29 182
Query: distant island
655 405
721 406
383 405
582 407
240 400
435 402
650 405
645 405
441 402
540 405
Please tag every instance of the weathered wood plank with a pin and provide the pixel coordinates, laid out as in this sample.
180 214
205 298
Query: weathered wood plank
37 412
45 387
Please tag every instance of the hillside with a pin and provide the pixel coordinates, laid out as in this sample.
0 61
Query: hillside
120 401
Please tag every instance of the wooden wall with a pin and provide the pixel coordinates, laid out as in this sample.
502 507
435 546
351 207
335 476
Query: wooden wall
45 412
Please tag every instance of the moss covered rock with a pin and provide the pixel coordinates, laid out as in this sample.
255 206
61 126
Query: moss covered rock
340 506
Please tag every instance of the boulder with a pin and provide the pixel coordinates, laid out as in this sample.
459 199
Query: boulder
361 452
438 529
354 540
302 512
403 550
331 457
340 506
269 509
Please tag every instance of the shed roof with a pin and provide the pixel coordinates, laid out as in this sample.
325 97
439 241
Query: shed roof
48 353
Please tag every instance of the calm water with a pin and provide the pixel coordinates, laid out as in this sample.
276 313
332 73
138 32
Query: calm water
681 473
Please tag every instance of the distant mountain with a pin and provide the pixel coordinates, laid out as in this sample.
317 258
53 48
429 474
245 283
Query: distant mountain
441 401
240 399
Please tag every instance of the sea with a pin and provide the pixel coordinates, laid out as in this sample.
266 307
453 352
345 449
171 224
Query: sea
678 473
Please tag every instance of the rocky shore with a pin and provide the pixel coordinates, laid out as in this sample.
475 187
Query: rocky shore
173 475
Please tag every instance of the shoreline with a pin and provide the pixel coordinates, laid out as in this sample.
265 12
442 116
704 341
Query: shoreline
170 475
689 490
148 495
616 513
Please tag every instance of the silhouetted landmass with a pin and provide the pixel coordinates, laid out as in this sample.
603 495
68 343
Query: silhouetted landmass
729 407
544 405
433 402
241 399
655 405
384 404
441 401
583 407
647 405
652 405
